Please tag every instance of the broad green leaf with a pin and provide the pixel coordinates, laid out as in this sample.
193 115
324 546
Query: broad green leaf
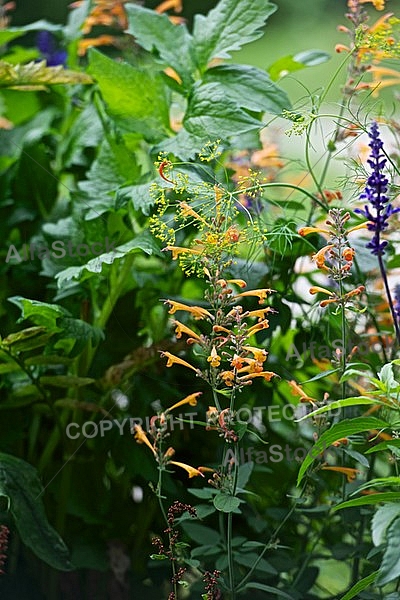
336 432
137 99
138 195
42 313
227 27
19 483
379 482
383 446
249 87
370 499
312 58
22 336
360 586
158 557
36 75
8 35
171 43
390 566
212 115
201 534
354 401
244 474
267 588
226 503
381 520
386 376
143 242
249 559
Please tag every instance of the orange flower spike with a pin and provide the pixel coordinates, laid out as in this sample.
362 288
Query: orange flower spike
169 453
181 328
349 472
191 471
175 360
141 438
261 294
191 400
315 289
237 362
228 377
319 257
196 311
306 230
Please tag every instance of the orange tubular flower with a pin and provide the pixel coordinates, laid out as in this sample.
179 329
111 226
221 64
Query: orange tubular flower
188 211
191 400
315 289
228 377
181 328
260 294
240 282
297 391
196 311
267 375
175 5
348 254
214 359
175 360
319 257
258 327
306 230
261 313
191 471
142 438
260 355
177 250
349 472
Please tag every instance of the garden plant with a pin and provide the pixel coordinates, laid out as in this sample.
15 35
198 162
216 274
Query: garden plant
200 318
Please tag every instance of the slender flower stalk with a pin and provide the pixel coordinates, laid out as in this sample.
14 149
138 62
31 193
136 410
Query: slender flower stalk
378 210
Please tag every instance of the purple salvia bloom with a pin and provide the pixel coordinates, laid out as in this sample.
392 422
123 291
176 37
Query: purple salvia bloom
376 194
47 46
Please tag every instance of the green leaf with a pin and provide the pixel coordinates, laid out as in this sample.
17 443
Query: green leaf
8 35
158 557
381 520
226 503
383 446
370 499
136 99
354 401
155 33
36 75
226 28
267 588
19 482
244 473
65 381
211 114
42 313
360 586
249 87
201 534
390 566
291 63
338 431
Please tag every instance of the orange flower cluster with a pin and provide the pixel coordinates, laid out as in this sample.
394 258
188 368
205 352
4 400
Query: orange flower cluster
336 257
230 329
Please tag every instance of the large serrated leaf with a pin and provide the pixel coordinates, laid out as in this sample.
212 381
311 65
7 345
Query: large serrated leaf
37 75
390 566
249 87
20 484
142 242
136 99
155 32
338 431
230 25
211 114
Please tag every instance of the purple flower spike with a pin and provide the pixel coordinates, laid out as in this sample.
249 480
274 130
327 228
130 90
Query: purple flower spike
396 302
376 194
